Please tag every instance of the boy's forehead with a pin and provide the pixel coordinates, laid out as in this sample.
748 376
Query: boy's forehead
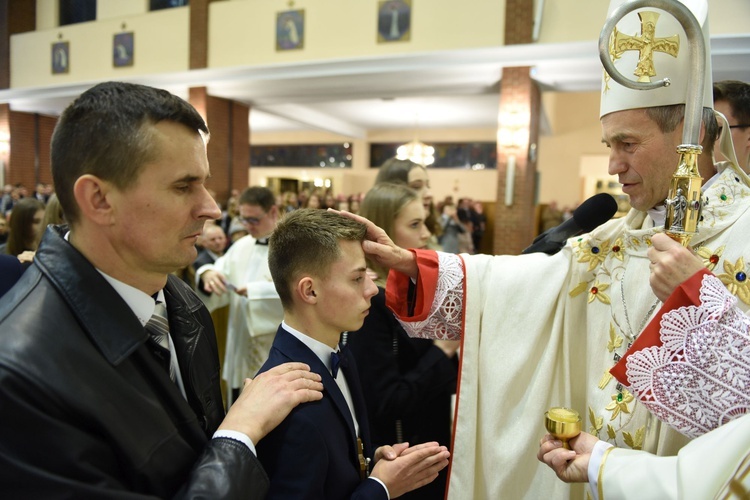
352 255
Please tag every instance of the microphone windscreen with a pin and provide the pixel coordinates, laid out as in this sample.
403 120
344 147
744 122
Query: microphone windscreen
595 211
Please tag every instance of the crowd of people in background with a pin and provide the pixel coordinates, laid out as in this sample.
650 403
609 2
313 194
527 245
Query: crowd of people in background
454 226
22 221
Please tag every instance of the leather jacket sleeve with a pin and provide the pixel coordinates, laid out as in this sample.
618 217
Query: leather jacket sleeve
226 469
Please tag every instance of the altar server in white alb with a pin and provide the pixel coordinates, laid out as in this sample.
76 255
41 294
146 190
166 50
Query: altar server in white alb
241 278
540 331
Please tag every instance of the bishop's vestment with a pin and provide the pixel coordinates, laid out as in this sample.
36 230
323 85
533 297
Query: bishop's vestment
540 331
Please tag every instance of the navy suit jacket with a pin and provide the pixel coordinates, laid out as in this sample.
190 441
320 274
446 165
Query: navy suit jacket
312 454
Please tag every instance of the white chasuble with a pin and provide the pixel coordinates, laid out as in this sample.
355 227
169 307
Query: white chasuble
715 465
540 331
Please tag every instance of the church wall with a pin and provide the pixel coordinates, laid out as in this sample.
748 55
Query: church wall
576 131
243 32
161 45
580 20
107 9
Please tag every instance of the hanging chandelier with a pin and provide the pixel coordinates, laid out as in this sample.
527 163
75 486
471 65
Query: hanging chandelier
416 151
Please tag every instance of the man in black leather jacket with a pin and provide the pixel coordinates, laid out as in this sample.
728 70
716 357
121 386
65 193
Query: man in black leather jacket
86 408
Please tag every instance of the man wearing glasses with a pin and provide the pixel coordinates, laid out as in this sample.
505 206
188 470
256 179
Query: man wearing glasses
732 99
241 279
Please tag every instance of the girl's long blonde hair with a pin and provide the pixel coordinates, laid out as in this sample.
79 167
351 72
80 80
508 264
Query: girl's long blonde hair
381 205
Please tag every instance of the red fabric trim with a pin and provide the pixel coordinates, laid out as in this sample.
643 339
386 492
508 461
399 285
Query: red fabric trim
397 288
687 294
458 382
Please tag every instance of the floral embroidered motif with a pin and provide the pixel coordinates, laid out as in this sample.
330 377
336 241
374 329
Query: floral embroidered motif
635 442
611 432
444 319
619 404
617 250
596 422
615 340
593 254
637 242
597 292
606 377
579 288
710 257
735 279
699 378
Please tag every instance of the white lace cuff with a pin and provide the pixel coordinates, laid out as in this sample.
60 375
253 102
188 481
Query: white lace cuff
699 378
444 321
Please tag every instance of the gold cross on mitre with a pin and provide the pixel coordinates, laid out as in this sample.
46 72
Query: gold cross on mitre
646 44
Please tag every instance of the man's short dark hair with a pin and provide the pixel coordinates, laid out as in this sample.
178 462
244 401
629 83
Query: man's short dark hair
258 196
737 95
306 242
105 132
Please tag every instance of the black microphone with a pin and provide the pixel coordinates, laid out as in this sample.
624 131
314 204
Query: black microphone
590 214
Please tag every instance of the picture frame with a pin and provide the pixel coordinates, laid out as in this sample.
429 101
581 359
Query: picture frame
394 20
60 58
290 30
123 49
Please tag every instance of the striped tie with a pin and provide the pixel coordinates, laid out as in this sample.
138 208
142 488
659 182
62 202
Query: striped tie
158 328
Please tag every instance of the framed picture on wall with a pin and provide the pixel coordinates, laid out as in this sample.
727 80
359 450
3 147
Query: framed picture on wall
290 30
122 50
394 20
60 57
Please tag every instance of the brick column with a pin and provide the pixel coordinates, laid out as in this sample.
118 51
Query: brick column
518 129
199 33
17 16
228 121
29 155
228 149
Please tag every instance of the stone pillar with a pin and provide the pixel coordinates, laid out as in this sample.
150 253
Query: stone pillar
199 33
17 16
518 132
228 148
27 151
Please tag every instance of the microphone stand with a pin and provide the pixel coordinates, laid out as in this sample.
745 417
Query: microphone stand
684 202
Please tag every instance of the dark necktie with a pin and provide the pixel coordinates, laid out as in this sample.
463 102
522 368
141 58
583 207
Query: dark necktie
158 329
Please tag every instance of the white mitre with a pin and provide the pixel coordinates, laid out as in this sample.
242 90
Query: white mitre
649 44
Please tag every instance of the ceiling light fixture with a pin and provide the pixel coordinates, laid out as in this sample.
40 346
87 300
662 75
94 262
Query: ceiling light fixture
416 151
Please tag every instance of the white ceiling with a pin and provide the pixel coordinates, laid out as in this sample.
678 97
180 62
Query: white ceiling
452 89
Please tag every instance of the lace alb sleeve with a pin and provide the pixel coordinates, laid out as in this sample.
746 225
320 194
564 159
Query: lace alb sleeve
444 321
699 378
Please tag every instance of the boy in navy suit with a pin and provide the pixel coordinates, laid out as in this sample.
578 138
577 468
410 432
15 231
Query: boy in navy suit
322 449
